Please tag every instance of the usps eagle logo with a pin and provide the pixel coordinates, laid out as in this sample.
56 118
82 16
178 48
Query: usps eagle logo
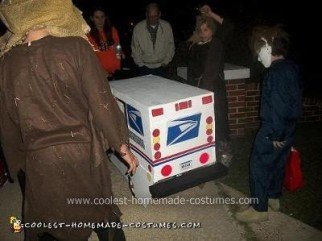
135 119
183 129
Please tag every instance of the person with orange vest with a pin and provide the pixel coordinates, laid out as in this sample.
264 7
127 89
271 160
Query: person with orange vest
106 42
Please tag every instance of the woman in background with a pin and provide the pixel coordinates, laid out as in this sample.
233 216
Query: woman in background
206 71
106 42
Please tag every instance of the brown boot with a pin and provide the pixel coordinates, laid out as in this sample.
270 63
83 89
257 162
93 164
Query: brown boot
201 186
251 216
274 204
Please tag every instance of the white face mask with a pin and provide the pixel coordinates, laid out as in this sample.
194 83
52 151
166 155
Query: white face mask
265 55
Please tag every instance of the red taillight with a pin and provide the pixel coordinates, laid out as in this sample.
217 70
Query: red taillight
209 120
157 155
156 133
157 146
157 112
166 170
209 132
209 128
183 105
150 168
156 143
204 158
206 99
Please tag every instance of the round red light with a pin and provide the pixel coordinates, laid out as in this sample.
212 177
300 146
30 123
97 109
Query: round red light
209 132
204 158
166 170
209 120
210 139
157 155
157 146
156 132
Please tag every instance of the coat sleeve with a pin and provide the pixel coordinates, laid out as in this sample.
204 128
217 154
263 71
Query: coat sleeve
107 117
136 48
285 102
190 59
11 142
170 48
226 31
212 71
278 108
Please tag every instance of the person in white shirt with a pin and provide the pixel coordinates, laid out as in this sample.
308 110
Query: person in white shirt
152 43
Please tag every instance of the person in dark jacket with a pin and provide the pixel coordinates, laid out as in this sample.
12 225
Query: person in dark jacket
206 71
279 111
224 28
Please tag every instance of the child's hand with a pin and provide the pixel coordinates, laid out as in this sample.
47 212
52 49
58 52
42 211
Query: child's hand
205 9
129 158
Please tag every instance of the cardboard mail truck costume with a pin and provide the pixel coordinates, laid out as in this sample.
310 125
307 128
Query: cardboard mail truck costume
172 133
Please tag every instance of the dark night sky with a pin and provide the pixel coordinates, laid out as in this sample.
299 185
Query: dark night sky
296 15
286 11
180 13
299 18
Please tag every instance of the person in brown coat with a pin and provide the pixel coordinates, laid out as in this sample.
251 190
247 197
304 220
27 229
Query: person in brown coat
57 118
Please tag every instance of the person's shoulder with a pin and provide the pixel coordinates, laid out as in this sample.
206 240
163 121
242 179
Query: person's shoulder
67 43
216 43
139 28
13 55
285 70
140 25
115 32
283 65
71 40
73 44
216 40
4 58
165 23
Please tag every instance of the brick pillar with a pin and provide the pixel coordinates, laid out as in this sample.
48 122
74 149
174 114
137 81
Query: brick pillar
312 110
236 94
244 106
252 102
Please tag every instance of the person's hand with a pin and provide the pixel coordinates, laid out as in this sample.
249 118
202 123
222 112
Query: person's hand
129 158
278 144
205 9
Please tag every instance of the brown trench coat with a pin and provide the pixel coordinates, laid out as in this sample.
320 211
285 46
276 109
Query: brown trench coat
55 103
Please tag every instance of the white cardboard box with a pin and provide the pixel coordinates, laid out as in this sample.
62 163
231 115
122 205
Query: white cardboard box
172 130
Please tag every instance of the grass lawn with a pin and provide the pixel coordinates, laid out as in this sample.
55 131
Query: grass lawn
304 204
